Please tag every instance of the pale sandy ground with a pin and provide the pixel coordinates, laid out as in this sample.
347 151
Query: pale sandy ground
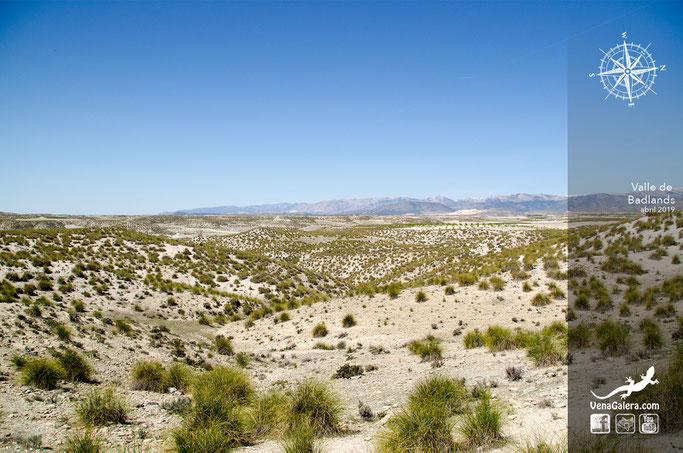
536 405
590 363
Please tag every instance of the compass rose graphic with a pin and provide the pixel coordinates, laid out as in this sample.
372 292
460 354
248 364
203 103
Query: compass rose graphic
628 71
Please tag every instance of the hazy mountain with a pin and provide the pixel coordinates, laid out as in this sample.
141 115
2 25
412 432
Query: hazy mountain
619 202
500 205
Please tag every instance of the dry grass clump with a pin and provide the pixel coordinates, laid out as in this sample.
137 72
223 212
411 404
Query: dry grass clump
83 442
151 376
320 330
348 321
483 425
102 407
427 349
669 391
613 338
42 373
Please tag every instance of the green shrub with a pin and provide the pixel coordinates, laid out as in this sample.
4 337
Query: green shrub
42 373
483 285
216 391
149 376
78 305
665 311
427 349
424 428
313 402
63 332
223 345
420 296
83 442
541 299
580 336
284 317
122 326
473 339
348 321
526 287
440 391
323 346
498 338
547 349
613 338
582 302
102 407
652 335
497 283
213 436
483 425
76 367
621 265
268 413
179 376
320 330
449 290
348 371
242 360
301 439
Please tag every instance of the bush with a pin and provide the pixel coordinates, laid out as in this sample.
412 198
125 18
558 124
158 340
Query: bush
497 283
102 407
449 290
347 371
284 317
267 413
669 391
652 335
541 299
78 305
313 403
223 345
621 265
348 321
212 436
242 360
613 338
440 391
149 376
483 425
215 393
393 291
665 311
420 296
84 442
580 336
42 373
76 367
422 428
473 339
498 338
179 376
122 326
427 348
301 439
320 330
546 349
63 332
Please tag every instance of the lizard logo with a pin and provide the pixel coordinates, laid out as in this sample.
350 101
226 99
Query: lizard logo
631 386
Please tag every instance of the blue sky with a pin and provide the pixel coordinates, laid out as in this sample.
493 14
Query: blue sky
139 108
610 144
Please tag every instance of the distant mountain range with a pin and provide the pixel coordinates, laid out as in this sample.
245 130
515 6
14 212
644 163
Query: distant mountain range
517 204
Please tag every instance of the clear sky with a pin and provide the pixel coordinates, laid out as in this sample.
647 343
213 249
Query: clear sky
610 144
154 106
